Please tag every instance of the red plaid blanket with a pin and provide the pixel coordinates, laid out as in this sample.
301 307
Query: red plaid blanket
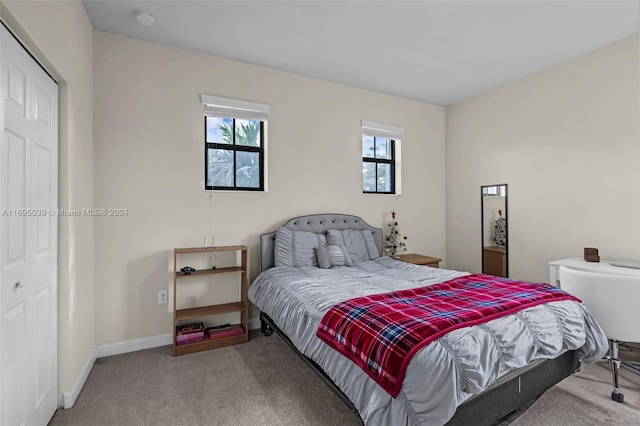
380 333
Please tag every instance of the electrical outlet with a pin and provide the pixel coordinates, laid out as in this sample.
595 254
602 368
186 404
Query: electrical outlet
162 297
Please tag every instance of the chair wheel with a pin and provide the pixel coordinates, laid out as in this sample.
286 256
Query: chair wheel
617 397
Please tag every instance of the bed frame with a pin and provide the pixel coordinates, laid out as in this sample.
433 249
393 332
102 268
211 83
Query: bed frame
511 394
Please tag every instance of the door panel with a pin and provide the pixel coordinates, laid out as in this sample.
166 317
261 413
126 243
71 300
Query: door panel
43 107
14 387
42 194
15 186
16 88
44 371
28 231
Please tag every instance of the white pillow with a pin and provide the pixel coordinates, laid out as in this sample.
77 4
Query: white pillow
360 244
297 248
331 255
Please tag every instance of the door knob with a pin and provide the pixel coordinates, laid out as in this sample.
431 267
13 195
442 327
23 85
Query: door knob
18 285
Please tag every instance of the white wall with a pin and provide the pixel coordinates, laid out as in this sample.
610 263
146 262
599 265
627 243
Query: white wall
61 36
567 142
149 159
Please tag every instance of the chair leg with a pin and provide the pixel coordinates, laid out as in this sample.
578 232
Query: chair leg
614 362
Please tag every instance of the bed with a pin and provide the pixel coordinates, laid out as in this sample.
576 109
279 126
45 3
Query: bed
473 375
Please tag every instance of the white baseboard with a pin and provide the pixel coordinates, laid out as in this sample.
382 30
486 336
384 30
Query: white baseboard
68 399
133 345
147 342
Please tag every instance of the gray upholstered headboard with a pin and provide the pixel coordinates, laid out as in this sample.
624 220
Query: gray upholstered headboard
318 223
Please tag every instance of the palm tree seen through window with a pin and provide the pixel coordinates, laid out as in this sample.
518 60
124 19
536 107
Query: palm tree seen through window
234 153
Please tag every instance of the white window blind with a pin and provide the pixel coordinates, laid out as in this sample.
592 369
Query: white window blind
371 128
217 106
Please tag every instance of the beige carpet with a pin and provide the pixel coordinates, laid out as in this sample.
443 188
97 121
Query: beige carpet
264 383
585 398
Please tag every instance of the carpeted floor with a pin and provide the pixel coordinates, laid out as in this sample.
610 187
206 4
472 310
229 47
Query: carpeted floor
585 398
264 382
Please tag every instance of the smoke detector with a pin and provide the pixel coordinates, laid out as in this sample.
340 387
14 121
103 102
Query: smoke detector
145 18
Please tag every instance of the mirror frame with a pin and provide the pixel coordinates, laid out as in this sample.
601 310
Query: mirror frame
506 230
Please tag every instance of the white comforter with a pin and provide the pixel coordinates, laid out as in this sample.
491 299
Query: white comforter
440 376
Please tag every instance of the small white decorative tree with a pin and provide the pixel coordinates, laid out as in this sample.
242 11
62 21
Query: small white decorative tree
395 241
500 231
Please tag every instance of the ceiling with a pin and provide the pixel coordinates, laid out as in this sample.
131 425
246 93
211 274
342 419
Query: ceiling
433 51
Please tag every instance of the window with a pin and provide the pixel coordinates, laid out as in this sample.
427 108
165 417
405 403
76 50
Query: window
380 158
494 191
234 144
234 153
377 165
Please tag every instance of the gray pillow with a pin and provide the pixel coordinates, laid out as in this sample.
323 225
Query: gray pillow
297 248
360 244
331 255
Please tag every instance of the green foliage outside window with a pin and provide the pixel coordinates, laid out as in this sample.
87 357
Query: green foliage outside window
234 153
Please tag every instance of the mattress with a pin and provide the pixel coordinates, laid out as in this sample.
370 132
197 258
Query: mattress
445 373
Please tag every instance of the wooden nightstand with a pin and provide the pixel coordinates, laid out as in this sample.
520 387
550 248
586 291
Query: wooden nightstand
495 261
418 259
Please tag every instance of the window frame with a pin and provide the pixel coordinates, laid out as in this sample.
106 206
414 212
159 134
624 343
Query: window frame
237 109
393 133
376 161
235 148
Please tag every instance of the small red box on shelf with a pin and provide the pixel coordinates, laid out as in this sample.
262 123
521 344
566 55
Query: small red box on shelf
189 333
233 330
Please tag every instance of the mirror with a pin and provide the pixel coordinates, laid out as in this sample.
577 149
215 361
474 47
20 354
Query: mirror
495 245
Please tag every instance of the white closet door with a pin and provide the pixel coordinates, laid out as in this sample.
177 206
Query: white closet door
28 238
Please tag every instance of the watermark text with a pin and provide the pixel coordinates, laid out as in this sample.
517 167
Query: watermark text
64 212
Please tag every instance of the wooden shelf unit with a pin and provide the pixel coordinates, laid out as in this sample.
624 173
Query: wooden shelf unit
198 312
